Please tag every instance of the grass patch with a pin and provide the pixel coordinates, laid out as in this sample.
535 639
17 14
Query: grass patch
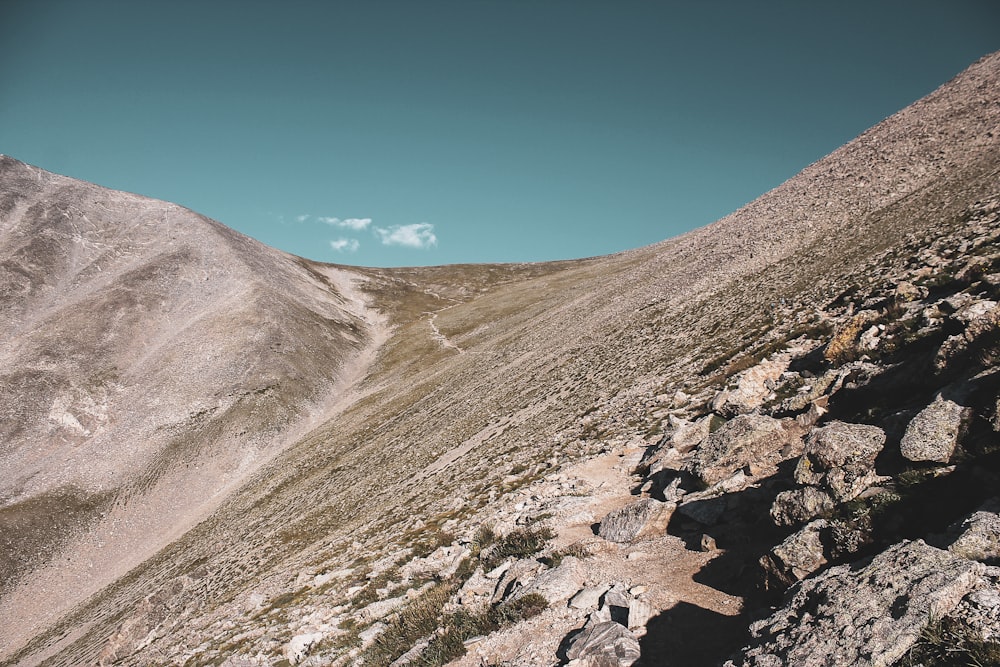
515 544
462 625
949 642
556 557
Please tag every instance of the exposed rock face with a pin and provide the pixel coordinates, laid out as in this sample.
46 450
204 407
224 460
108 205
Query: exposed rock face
870 615
933 434
753 387
840 458
606 644
757 442
979 537
643 517
690 435
800 505
798 556
555 585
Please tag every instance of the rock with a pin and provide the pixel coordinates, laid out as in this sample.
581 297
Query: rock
587 598
381 608
868 613
798 556
368 636
606 644
555 585
797 506
515 577
976 310
753 387
979 537
477 588
813 413
979 333
705 510
933 434
840 457
298 648
906 292
639 613
442 563
647 516
687 435
754 441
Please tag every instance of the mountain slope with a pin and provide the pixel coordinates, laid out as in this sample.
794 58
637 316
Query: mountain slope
152 358
490 378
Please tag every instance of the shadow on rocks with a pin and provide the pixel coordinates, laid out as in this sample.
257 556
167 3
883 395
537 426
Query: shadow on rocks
687 635
743 530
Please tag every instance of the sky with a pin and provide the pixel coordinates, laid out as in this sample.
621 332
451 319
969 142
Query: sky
421 132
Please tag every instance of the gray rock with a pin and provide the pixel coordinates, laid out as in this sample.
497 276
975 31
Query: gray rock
647 516
754 386
798 556
587 598
298 648
555 585
515 577
705 510
606 644
755 442
381 608
979 537
639 613
690 435
840 457
797 506
616 596
869 613
933 434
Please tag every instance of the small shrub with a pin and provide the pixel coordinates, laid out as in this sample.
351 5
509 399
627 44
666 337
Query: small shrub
556 557
843 346
418 619
517 544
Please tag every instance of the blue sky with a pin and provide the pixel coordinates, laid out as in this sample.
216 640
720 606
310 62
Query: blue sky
430 132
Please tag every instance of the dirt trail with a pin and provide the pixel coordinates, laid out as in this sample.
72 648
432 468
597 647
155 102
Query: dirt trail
662 567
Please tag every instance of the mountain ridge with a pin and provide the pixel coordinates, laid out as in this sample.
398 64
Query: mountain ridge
503 367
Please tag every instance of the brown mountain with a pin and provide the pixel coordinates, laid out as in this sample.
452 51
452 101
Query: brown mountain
212 450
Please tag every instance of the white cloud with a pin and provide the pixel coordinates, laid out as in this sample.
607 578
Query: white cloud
301 218
417 235
357 224
345 245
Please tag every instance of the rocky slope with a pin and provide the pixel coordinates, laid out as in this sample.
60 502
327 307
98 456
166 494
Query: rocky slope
586 461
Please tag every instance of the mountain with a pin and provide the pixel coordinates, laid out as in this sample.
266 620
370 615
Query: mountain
217 453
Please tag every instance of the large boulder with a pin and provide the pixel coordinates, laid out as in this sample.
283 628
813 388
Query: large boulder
556 585
869 613
979 535
606 644
755 442
933 434
840 457
647 516
753 388
798 556
797 506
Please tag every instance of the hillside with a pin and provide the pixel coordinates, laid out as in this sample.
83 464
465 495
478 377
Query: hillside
216 453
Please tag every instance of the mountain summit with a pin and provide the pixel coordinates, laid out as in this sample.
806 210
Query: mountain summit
216 453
